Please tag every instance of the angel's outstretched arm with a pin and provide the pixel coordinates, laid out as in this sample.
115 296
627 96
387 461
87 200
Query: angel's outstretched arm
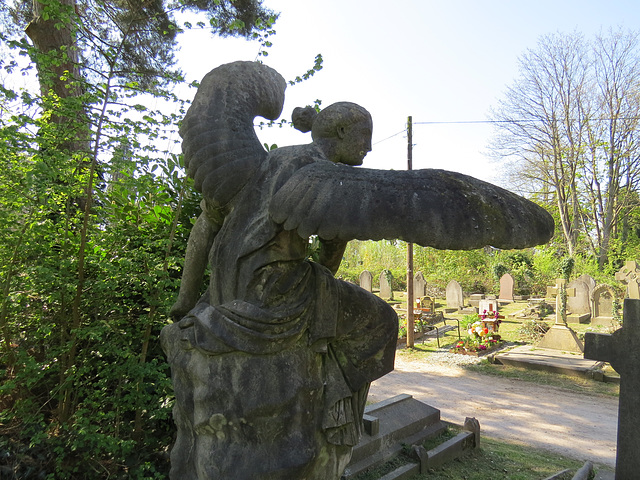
200 241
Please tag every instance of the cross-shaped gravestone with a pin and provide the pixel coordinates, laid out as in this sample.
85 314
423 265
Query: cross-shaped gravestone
560 336
561 286
630 275
622 350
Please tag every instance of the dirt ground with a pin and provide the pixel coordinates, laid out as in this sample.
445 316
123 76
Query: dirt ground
574 425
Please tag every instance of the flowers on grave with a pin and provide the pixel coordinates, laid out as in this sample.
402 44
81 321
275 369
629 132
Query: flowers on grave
477 329
491 315
480 338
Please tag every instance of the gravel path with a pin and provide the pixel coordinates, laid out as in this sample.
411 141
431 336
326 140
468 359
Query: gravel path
577 426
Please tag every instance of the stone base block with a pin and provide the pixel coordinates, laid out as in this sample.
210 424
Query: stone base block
578 318
561 337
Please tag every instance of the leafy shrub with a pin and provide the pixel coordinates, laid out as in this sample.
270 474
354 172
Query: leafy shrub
532 331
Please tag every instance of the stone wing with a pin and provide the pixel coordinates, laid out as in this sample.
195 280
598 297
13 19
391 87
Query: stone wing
436 208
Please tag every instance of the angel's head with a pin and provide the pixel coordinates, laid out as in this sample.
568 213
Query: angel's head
343 132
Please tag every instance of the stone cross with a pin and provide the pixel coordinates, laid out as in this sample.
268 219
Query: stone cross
561 285
622 350
630 276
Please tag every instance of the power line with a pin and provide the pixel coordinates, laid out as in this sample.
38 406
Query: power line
529 120
391 136
489 122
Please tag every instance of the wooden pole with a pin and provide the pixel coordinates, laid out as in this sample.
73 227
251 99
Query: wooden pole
410 325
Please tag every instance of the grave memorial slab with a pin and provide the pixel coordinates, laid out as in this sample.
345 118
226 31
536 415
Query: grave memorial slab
622 350
602 306
366 280
385 280
487 305
579 305
419 285
474 299
507 283
454 295
272 365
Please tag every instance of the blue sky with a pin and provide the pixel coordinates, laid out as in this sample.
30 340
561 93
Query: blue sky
438 61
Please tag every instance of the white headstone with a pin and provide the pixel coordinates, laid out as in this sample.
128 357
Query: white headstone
366 280
385 285
419 285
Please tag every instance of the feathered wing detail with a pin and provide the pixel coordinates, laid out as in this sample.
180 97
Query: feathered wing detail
436 208
221 149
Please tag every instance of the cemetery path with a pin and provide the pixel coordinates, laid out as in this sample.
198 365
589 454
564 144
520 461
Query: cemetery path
574 425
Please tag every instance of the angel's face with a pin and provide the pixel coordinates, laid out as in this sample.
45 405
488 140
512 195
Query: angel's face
354 142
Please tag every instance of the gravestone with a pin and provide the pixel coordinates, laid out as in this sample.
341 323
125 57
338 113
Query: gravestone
560 336
271 366
455 299
385 279
579 306
366 280
589 281
419 285
506 287
602 306
474 299
630 276
622 350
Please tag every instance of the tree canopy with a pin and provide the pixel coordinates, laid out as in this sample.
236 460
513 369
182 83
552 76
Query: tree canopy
570 125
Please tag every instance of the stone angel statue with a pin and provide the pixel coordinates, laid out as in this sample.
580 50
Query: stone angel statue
271 365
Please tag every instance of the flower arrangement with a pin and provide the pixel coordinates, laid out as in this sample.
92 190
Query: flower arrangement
480 338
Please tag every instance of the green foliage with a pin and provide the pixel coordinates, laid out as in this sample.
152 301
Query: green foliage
375 257
95 212
91 241
499 270
566 267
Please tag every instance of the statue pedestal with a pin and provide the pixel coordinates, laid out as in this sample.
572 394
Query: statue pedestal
561 337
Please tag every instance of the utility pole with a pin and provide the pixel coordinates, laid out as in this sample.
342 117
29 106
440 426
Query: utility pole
410 326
